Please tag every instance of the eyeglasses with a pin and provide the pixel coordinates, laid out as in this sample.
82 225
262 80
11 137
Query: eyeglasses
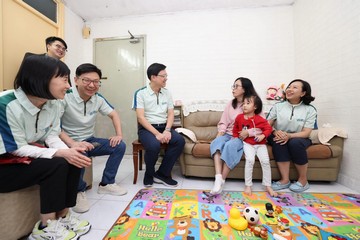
97 83
235 86
60 47
163 76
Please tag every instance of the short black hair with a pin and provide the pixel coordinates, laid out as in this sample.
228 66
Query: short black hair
52 39
307 98
154 69
86 68
36 72
257 102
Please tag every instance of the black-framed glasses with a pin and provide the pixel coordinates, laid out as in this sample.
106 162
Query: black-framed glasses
235 86
163 76
97 83
58 46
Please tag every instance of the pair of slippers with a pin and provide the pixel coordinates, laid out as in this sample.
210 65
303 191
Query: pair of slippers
295 187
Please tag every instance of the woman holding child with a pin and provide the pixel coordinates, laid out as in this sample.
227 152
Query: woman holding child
226 153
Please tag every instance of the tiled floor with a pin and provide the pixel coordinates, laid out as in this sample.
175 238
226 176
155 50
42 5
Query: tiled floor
105 209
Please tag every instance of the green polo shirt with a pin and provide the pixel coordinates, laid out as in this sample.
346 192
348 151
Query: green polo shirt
79 117
23 123
293 118
155 106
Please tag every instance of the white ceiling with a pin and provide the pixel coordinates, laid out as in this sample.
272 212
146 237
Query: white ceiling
93 9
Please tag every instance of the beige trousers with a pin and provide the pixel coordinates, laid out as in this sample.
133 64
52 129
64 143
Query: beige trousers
259 150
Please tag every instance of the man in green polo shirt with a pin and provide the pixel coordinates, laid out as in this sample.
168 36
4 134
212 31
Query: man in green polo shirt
81 105
155 113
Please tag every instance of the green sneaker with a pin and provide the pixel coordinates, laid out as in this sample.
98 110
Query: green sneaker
54 230
71 222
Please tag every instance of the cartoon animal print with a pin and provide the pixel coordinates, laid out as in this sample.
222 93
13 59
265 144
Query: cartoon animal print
123 219
310 228
121 228
158 209
239 205
245 127
281 234
182 227
212 225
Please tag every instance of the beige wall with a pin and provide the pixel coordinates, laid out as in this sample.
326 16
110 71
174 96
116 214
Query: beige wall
23 30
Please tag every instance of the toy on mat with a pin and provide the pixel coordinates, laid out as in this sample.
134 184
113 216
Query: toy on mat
279 234
251 215
237 221
283 223
278 210
260 231
269 210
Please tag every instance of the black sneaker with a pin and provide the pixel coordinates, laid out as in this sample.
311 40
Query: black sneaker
148 181
167 181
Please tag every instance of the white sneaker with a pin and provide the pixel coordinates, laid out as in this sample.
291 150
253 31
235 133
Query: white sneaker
112 189
54 230
82 204
71 222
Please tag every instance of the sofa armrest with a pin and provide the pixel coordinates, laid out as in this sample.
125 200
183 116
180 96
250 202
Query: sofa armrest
337 146
188 147
337 141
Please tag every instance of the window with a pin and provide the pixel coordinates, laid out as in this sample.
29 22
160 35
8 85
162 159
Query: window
46 7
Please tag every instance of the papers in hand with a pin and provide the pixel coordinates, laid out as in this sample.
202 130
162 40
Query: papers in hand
187 133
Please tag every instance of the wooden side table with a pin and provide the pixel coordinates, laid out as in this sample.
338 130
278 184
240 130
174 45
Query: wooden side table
137 157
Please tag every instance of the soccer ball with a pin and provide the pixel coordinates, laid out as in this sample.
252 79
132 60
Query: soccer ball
251 215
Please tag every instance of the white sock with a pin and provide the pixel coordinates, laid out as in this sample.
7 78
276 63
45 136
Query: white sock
222 185
218 184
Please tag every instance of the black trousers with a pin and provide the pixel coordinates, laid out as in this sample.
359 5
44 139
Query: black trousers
294 149
58 181
152 150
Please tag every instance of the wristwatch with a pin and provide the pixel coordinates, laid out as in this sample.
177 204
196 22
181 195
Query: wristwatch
168 129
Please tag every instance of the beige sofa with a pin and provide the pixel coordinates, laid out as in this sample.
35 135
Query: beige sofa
324 161
20 210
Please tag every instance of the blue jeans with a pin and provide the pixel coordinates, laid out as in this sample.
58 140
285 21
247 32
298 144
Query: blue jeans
112 164
152 150
231 149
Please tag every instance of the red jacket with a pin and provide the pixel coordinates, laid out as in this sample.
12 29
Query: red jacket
250 123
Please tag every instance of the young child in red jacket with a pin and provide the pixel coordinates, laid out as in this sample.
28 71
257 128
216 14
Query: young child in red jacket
254 143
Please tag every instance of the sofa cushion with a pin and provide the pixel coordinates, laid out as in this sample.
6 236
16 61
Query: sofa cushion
318 151
201 150
203 124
